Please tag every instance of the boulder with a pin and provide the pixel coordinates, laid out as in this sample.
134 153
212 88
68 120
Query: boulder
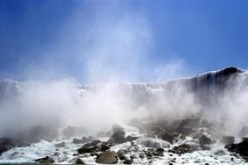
240 148
76 141
45 160
182 149
79 161
105 146
128 161
204 141
108 157
89 147
153 142
117 128
131 138
117 137
168 137
6 144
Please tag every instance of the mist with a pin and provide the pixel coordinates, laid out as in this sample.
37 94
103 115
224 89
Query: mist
112 55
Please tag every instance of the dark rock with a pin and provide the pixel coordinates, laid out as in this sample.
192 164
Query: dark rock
76 141
87 139
6 144
240 148
89 147
142 156
128 161
168 137
79 161
182 149
204 140
131 138
107 158
62 144
245 139
46 160
228 140
105 146
117 137
160 151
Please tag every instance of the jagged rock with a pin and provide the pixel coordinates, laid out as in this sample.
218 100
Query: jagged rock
74 131
105 146
79 161
245 139
89 147
6 144
182 149
228 140
240 148
46 160
62 144
168 137
108 157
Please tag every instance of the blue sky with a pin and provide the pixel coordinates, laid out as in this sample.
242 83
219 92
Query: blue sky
137 40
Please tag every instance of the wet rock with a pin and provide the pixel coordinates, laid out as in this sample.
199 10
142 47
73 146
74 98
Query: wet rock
128 161
105 146
245 139
168 137
228 140
46 160
62 144
117 137
160 151
204 141
107 158
6 144
87 139
182 149
76 141
74 131
89 147
240 148
79 161
142 155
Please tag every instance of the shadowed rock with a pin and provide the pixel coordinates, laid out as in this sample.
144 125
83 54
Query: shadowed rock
108 157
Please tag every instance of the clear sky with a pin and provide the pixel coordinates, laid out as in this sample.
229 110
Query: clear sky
138 40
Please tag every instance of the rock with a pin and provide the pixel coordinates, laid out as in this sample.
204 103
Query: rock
240 148
117 137
108 157
131 138
228 140
46 160
128 161
182 149
168 137
89 147
245 139
204 140
160 151
74 131
105 146
117 128
79 161
142 155
62 144
76 141
87 139
6 144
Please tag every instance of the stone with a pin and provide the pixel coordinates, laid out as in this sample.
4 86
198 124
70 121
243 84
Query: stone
45 160
128 161
182 149
79 161
204 140
76 141
168 137
118 137
240 148
107 157
131 138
